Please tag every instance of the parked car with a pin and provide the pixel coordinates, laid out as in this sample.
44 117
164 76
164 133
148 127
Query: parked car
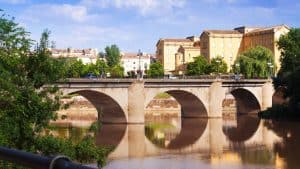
90 76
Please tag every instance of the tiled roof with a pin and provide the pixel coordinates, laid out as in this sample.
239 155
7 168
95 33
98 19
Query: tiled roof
176 40
131 55
71 51
222 31
272 28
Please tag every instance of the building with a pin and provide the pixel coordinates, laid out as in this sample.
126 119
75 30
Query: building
175 53
133 63
85 55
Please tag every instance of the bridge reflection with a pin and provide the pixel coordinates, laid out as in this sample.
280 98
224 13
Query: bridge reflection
196 136
191 130
245 128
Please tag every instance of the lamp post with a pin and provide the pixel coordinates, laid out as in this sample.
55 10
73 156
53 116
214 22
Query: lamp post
183 67
218 61
145 67
270 66
237 67
139 74
102 72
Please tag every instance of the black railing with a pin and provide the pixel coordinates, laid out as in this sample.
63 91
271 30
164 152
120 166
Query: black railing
36 161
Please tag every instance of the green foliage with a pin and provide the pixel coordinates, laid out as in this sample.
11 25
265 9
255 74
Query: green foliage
85 151
289 45
49 145
117 71
288 76
112 54
76 69
218 65
25 110
156 70
198 67
253 63
95 126
27 107
162 96
41 67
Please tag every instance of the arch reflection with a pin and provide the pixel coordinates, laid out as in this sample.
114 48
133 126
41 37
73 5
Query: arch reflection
169 137
240 129
110 134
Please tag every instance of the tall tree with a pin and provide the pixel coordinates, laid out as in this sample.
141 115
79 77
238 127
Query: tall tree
218 65
156 70
257 62
289 45
288 75
198 67
112 54
117 71
26 108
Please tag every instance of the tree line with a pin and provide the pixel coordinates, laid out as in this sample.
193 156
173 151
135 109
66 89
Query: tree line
255 62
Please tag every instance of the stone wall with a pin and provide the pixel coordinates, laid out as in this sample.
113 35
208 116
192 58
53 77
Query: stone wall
163 108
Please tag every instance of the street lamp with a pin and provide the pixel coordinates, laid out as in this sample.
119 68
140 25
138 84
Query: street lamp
270 66
102 72
183 67
218 61
145 67
139 74
237 67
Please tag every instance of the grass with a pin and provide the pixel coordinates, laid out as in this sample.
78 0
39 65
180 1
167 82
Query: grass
162 96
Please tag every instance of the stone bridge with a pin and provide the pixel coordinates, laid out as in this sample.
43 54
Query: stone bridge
124 100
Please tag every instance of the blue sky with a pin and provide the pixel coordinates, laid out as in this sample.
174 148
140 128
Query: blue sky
138 24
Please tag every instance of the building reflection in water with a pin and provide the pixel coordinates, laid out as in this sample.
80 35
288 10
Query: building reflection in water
246 143
169 136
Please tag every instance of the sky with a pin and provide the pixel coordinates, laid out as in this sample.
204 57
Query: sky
139 24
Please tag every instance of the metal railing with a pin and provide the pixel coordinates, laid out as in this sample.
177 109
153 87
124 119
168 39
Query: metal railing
35 161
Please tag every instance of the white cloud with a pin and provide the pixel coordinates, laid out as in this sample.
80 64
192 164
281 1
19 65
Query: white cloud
144 7
13 1
76 13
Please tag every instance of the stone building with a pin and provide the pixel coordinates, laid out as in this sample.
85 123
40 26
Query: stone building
85 55
175 53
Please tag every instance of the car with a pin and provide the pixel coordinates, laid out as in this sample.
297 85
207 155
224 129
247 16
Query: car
90 76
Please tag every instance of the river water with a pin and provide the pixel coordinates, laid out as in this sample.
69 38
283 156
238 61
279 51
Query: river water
243 142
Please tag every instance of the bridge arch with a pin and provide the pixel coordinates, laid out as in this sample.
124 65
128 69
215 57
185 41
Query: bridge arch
247 102
109 110
191 104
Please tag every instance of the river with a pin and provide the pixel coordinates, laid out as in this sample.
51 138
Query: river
167 141
244 142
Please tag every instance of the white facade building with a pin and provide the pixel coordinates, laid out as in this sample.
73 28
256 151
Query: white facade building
132 63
